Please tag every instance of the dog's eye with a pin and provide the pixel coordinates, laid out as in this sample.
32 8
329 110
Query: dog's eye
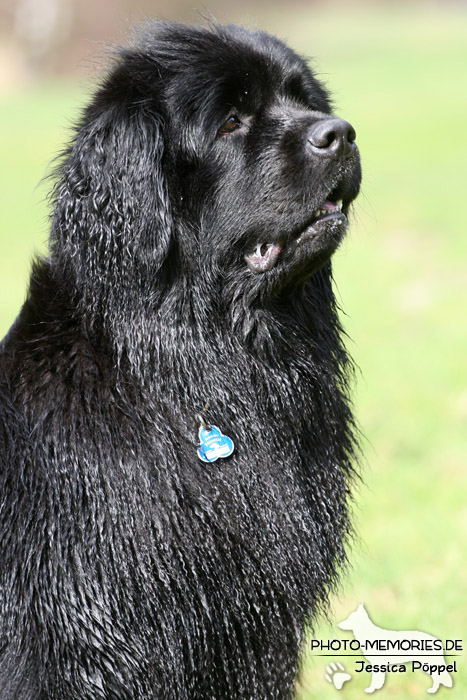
231 124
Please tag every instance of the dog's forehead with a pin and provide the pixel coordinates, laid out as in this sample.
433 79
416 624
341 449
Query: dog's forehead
228 66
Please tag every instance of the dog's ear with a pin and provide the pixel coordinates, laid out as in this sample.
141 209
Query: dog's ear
112 222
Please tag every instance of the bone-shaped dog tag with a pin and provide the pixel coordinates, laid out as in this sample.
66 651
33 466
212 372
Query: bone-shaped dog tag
213 444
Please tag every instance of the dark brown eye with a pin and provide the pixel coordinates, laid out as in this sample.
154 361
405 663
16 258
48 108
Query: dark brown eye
231 124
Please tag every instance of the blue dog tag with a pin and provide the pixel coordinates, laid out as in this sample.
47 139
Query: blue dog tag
213 444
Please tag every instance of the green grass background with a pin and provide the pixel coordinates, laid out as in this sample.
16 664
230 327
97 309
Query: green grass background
399 75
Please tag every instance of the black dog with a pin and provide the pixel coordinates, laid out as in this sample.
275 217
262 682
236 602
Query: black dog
187 295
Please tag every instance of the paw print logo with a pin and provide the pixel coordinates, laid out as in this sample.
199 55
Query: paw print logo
337 675
213 444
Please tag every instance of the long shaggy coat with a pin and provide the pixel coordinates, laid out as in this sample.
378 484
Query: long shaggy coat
188 284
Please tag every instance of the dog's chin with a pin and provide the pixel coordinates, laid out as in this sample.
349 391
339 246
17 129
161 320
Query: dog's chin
310 248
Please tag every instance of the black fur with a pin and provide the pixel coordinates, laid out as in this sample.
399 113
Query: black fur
129 568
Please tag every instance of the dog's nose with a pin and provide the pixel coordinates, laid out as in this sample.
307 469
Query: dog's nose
332 137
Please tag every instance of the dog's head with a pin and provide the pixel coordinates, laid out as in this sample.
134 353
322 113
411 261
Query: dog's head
209 159
356 621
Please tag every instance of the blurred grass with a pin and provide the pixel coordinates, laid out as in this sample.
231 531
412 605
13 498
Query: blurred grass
35 124
398 75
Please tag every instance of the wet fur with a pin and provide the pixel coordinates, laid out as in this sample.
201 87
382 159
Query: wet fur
129 568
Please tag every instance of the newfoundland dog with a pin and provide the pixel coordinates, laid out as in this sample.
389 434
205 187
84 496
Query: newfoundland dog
177 445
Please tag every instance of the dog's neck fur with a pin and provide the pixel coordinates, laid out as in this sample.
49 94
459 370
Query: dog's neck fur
213 347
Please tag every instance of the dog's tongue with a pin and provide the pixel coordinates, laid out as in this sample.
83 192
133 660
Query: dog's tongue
264 257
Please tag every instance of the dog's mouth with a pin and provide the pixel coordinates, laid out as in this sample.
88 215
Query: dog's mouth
330 214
